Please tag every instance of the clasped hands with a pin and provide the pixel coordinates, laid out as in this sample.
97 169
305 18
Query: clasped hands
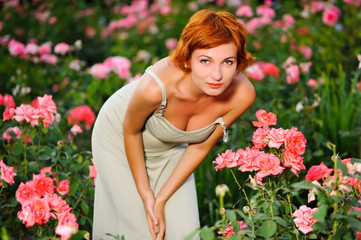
154 210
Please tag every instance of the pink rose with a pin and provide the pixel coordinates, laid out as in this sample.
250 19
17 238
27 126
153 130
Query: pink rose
8 114
99 70
265 11
63 187
67 219
76 129
259 136
304 219
92 172
16 48
57 204
228 231
276 137
247 159
45 48
268 164
47 103
315 173
15 130
244 11
306 51
7 173
8 101
294 161
75 65
49 58
46 117
26 112
295 142
312 83
43 185
317 6
171 43
25 192
64 231
270 69
293 74
82 114
305 67
26 214
61 48
41 210
264 118
329 17
227 159
31 48
255 73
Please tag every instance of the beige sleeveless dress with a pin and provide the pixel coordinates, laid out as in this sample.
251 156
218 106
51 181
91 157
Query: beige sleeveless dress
118 208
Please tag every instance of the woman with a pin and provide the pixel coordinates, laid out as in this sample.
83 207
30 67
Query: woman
153 133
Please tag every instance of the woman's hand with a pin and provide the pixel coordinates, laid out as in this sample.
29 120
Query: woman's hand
159 214
149 202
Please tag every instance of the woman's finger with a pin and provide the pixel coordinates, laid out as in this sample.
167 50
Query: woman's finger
151 228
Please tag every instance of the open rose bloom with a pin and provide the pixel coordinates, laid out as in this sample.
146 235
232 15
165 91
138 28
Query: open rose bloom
289 143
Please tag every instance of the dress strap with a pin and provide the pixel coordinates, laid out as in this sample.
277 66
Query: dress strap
225 130
163 105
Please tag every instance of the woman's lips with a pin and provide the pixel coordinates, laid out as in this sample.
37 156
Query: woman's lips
215 85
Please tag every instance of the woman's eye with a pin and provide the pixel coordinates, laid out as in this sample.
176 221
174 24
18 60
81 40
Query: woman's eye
204 61
228 62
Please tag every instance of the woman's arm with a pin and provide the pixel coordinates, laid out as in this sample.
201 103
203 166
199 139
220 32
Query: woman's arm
144 101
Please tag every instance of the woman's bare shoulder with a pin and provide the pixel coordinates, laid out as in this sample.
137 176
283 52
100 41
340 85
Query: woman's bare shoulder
243 95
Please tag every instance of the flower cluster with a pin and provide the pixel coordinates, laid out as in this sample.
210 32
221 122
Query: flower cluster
40 203
347 183
6 173
259 70
42 108
229 231
254 159
37 53
119 65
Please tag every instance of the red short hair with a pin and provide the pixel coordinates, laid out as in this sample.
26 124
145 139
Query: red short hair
208 29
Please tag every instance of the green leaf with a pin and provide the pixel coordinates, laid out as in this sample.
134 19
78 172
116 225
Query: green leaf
18 149
354 222
192 235
343 167
303 185
235 237
231 215
78 235
207 234
321 213
73 188
312 236
84 207
33 166
268 228
280 221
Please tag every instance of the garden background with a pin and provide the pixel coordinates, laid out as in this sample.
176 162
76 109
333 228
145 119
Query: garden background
60 60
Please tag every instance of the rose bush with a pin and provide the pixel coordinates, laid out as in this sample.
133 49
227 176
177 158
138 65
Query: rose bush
276 206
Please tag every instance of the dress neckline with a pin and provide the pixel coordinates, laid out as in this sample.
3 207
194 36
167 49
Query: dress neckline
218 120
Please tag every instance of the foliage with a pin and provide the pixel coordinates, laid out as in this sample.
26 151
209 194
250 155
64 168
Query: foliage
312 82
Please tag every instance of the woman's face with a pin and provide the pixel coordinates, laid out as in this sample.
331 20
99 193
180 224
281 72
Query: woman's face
214 69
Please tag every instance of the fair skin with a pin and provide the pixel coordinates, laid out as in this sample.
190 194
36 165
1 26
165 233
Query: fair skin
194 100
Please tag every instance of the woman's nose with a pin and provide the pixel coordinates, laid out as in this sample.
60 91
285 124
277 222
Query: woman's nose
217 73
